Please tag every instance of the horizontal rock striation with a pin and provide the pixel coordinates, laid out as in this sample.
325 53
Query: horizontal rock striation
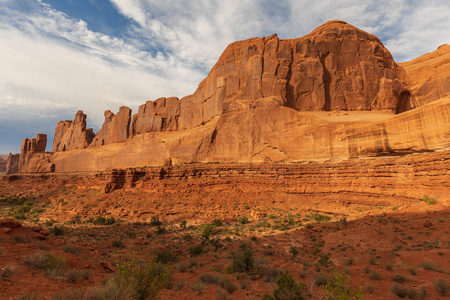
405 177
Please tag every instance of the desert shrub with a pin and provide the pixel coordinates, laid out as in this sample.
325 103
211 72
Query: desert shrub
196 250
117 244
74 274
429 200
197 286
209 278
98 220
165 257
243 260
187 237
7 271
31 296
217 223
216 244
317 217
320 279
243 220
183 224
400 290
131 234
430 266
161 229
68 248
271 275
110 221
442 286
58 230
50 264
109 290
349 261
206 231
338 287
370 289
287 289
293 250
156 222
399 278
374 275
22 239
145 281
324 260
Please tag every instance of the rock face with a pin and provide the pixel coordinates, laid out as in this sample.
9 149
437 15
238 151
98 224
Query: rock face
270 100
337 66
159 115
115 128
430 75
12 165
72 135
33 158
3 162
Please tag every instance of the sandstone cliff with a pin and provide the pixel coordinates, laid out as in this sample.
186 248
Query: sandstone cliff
72 135
115 128
33 158
335 93
430 75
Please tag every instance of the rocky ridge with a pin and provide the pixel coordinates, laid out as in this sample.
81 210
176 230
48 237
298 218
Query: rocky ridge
261 102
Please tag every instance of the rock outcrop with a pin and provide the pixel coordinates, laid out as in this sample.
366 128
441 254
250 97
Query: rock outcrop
430 75
272 100
115 128
159 115
12 165
3 162
33 158
71 135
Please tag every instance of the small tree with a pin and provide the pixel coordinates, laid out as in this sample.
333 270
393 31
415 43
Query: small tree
206 230
243 261
287 289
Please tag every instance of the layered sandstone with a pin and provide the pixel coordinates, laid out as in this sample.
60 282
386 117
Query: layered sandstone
3 162
115 128
430 75
71 135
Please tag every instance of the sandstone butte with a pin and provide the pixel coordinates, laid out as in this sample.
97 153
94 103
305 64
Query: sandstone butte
333 94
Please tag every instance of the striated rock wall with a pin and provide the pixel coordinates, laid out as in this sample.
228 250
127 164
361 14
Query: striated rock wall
72 135
115 128
411 176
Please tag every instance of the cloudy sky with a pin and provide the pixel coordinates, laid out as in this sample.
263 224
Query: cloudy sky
60 56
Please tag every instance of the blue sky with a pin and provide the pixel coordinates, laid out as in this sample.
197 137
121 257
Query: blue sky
60 56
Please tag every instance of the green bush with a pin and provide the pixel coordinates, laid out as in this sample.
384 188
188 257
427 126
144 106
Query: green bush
442 286
145 281
206 231
338 287
196 250
68 248
58 230
243 220
429 200
287 289
217 222
50 264
110 221
155 221
117 244
243 260
165 257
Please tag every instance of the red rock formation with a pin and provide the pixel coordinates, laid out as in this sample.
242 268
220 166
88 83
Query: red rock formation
33 158
430 75
115 128
159 115
72 135
12 165
337 66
